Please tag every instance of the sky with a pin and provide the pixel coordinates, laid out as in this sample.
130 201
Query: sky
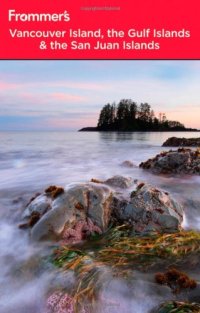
68 95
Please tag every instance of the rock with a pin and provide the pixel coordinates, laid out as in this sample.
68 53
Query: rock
194 294
41 204
148 209
79 210
181 142
153 290
181 161
119 182
77 202
128 163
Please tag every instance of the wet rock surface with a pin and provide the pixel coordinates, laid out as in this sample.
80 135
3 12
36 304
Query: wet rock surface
128 164
119 182
80 210
181 142
181 161
148 209
76 203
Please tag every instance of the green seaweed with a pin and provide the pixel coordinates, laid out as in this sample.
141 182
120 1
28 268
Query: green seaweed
179 307
119 250
118 243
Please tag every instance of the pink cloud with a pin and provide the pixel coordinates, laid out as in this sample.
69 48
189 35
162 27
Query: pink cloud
72 85
81 85
67 97
35 99
7 86
186 114
74 123
27 96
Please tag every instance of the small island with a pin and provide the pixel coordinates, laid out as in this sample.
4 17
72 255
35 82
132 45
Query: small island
128 116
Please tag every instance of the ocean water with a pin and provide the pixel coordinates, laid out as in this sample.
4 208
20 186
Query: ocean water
31 161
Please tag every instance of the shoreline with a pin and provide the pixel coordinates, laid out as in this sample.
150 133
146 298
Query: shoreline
94 129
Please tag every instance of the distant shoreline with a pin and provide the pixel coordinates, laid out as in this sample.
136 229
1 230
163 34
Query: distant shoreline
95 129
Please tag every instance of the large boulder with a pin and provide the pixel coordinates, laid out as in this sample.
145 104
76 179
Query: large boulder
182 142
148 209
75 203
181 161
74 213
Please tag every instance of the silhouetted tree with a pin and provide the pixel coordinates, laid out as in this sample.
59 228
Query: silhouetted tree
107 116
128 116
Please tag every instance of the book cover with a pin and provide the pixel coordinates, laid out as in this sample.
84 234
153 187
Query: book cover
99 156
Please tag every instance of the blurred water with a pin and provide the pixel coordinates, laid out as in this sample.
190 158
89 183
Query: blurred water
31 161
37 159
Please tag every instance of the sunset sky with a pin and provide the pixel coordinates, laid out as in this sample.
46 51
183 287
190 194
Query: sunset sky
59 95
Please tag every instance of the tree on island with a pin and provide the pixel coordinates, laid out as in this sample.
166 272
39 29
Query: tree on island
127 115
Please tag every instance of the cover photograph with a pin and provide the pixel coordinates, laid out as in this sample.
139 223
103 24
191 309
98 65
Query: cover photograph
100 157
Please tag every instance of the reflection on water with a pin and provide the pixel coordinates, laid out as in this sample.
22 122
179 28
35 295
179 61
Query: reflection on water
152 137
31 161
124 136
116 136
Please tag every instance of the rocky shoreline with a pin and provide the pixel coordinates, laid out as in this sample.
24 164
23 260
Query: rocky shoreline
182 142
130 224
181 161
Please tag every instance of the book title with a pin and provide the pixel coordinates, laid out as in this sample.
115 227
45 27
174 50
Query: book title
55 36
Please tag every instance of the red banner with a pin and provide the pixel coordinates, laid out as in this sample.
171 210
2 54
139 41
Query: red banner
150 29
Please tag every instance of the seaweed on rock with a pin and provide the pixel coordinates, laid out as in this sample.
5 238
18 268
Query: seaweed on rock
139 250
118 250
176 280
54 191
178 307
